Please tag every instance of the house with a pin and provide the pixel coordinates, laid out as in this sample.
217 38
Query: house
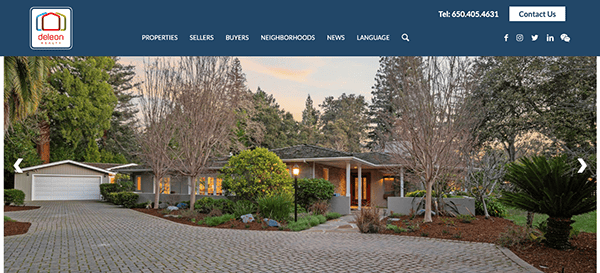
342 169
65 180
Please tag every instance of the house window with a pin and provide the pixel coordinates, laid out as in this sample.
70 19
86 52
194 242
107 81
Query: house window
139 183
219 180
165 185
201 182
211 185
326 174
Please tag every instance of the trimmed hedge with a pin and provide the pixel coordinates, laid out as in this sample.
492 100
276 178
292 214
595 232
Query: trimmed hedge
421 193
106 189
14 196
126 199
314 190
207 204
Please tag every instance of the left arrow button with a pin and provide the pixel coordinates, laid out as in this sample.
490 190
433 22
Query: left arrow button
17 169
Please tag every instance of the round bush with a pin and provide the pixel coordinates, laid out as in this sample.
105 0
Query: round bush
14 196
254 174
494 207
313 190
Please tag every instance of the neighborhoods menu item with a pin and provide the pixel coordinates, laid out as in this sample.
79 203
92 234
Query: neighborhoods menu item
287 37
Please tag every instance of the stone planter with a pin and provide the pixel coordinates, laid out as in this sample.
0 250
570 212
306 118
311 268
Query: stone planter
404 204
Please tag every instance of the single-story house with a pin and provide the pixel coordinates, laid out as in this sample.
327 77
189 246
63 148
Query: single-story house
65 180
342 169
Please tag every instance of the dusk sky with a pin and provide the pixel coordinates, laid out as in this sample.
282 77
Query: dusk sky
291 79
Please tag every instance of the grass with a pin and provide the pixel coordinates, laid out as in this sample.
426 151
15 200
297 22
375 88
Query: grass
585 222
7 219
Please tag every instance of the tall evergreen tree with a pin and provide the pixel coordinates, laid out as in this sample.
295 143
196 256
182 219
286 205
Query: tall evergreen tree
345 122
120 138
309 127
280 128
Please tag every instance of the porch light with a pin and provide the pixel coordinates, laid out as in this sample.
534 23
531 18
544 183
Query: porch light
296 170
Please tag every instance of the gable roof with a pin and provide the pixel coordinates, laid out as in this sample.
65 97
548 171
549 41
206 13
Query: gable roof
307 151
67 162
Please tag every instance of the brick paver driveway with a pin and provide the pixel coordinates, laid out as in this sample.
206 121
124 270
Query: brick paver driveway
95 236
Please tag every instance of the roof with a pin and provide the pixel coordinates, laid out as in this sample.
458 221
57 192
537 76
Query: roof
84 165
105 166
311 152
307 151
216 164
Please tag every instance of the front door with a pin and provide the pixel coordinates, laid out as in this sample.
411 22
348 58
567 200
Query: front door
366 189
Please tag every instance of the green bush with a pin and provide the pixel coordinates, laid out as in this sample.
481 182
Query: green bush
314 221
204 205
141 205
302 224
224 205
113 197
321 218
253 174
127 199
312 190
215 221
14 196
276 206
7 219
243 207
494 207
106 189
421 193
333 215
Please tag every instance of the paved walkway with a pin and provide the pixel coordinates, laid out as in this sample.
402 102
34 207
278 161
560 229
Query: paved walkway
344 224
98 237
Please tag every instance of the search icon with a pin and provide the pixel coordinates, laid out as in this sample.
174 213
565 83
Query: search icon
405 37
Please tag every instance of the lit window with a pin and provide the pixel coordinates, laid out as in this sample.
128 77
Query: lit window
326 174
201 186
211 185
165 185
219 180
139 183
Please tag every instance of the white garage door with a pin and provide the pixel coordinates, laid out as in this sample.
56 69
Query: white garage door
66 188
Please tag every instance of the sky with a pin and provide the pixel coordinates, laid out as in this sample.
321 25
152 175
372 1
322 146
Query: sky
291 79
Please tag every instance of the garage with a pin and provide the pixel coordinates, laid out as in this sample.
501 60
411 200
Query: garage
64 180
56 187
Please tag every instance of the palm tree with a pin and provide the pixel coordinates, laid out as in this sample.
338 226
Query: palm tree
550 186
23 84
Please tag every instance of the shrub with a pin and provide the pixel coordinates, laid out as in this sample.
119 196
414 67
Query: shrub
14 196
393 228
333 215
141 205
7 219
321 218
215 212
127 199
319 207
494 207
367 220
113 197
106 189
313 221
225 205
253 174
276 206
465 218
421 193
205 204
311 191
302 224
549 186
396 215
215 221
189 213
243 207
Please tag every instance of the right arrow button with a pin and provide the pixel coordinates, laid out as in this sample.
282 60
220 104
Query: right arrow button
583 165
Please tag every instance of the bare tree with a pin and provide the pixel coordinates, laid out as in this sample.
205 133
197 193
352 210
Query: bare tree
484 173
209 91
435 121
157 104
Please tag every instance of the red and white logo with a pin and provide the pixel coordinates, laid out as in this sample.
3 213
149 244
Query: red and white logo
51 27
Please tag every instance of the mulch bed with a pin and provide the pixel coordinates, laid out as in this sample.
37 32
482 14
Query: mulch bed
582 258
15 228
19 208
233 224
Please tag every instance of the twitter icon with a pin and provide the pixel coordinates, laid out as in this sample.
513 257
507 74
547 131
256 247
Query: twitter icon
534 38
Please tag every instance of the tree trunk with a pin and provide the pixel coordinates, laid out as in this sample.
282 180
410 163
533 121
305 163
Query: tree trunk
530 219
43 147
485 211
156 191
192 183
557 235
427 218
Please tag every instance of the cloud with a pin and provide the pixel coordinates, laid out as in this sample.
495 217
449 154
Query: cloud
277 71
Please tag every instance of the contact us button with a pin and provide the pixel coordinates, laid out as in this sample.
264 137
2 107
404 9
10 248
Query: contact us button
537 14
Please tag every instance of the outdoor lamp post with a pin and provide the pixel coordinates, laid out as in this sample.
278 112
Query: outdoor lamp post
296 172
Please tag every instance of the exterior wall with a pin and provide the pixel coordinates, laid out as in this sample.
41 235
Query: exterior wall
377 189
337 176
23 180
179 184
404 204
340 204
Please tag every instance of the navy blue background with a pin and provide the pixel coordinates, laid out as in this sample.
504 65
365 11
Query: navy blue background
115 28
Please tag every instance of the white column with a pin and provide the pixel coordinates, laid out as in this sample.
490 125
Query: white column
215 185
313 169
153 184
401 182
359 186
348 178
